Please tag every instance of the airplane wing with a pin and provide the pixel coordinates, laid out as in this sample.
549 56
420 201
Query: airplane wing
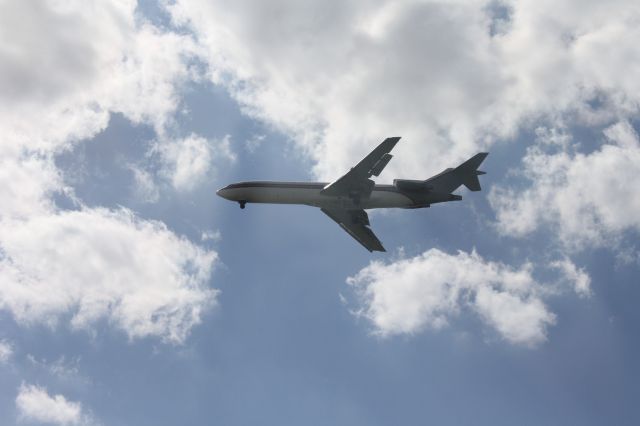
356 182
356 223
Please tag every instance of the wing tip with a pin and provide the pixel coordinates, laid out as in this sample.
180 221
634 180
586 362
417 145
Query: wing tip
393 139
377 246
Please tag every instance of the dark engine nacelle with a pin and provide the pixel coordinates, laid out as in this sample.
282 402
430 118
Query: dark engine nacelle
405 185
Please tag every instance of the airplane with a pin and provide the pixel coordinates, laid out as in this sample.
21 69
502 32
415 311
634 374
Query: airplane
346 199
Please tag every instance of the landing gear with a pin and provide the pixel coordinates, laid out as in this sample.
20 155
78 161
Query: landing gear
242 204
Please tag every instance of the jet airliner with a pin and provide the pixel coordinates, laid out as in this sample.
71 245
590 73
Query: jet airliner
346 199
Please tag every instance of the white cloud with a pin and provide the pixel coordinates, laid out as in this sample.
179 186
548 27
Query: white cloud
34 404
6 351
588 198
98 264
26 184
64 68
187 161
517 319
340 76
65 65
427 291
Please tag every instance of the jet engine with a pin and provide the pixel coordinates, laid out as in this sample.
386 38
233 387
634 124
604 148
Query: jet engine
406 185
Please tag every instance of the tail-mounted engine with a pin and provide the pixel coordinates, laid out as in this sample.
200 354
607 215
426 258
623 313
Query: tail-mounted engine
405 185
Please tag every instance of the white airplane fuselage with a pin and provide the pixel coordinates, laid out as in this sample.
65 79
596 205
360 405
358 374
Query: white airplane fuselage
309 193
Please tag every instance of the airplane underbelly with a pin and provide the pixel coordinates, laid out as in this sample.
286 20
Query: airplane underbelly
281 195
313 197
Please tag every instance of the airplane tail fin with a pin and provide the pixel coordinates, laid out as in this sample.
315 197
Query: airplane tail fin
465 174
469 172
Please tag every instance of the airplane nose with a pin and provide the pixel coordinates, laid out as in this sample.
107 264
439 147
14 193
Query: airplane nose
223 192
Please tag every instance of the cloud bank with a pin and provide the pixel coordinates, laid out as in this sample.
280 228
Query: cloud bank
65 67
450 77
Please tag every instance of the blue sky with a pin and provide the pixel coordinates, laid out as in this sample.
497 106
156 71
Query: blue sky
130 294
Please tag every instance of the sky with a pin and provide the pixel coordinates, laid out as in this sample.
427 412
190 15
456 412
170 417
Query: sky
130 294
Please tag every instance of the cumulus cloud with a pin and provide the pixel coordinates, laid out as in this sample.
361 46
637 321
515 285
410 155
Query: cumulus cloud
98 264
65 67
410 295
451 77
34 404
587 198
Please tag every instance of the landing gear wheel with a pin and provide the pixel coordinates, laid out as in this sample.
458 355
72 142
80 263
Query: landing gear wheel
242 204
